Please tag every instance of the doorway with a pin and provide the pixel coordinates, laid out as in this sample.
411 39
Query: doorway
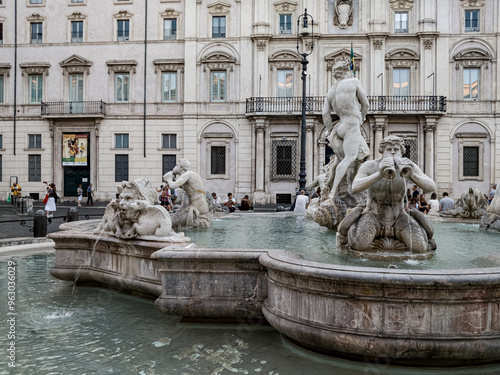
74 176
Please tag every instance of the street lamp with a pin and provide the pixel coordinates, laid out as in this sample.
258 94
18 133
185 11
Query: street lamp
304 32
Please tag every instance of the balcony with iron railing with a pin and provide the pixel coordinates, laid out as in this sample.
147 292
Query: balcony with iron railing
95 109
378 104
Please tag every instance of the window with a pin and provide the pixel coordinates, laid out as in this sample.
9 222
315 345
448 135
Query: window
36 32
169 141
1 33
169 84
34 167
169 29
121 168
472 20
1 159
76 88
77 31
285 83
36 1
218 86
1 90
401 22
218 160
121 141
123 30
219 27
1 141
34 141
285 23
284 155
122 87
471 83
401 85
168 163
471 161
77 1
36 88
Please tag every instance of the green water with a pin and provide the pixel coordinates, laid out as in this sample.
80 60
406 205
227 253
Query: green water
459 246
101 332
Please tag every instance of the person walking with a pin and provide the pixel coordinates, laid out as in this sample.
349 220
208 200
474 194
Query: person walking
79 191
90 192
50 206
16 193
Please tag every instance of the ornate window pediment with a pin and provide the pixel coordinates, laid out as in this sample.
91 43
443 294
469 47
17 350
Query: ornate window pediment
35 68
285 6
401 58
472 3
343 54
472 57
5 69
170 13
218 61
77 16
284 60
401 4
219 8
169 65
123 14
35 17
75 64
121 66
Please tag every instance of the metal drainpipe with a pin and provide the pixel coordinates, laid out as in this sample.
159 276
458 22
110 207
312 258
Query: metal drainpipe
145 63
15 72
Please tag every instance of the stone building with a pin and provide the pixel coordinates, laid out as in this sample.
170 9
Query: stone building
219 82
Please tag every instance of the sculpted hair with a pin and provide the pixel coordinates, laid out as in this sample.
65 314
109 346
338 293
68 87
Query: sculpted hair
392 140
184 164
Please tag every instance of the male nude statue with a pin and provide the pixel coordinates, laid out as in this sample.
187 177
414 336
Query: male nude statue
385 179
349 101
191 182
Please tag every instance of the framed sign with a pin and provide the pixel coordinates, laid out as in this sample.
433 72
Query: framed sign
75 148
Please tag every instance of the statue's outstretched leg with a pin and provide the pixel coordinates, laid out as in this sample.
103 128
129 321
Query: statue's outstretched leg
361 234
409 232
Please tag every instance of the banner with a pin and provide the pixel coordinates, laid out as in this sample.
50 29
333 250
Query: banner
75 147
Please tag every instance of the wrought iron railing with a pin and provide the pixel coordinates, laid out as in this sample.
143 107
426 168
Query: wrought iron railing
74 108
377 104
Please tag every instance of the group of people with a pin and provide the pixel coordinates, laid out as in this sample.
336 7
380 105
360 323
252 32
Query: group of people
415 200
167 197
90 193
230 203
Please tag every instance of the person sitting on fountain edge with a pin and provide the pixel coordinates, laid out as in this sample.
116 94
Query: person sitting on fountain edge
446 203
246 205
230 202
385 179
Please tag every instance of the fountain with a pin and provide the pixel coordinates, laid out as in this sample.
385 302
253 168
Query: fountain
446 317
491 220
471 204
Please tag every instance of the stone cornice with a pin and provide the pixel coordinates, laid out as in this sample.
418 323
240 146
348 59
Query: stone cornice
35 68
121 66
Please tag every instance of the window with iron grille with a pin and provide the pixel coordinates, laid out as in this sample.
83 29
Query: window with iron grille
121 141
411 149
283 198
169 141
36 32
471 161
121 168
285 23
218 160
219 27
284 158
472 20
34 167
34 141
168 163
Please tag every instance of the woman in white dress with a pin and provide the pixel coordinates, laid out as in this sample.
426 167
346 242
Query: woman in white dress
433 204
50 206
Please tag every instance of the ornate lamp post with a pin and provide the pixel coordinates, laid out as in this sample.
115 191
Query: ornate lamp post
304 32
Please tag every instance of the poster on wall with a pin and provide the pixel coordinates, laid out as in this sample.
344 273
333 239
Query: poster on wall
75 149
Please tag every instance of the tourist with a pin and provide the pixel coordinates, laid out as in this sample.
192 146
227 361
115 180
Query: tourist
230 202
216 202
301 202
165 198
415 193
79 191
16 193
423 205
433 205
348 99
492 193
50 206
90 193
246 205
412 204
446 203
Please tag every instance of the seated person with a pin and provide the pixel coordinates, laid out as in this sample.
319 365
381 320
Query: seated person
216 202
246 205
412 204
230 202
423 205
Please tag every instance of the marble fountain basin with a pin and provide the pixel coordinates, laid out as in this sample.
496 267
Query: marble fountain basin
416 317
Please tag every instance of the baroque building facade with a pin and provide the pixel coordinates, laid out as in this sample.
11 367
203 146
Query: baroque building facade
119 90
